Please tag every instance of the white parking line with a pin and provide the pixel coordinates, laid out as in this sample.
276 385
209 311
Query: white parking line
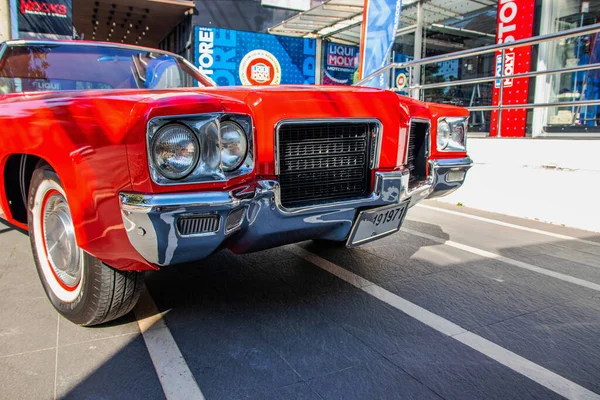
174 374
56 355
509 225
506 260
521 365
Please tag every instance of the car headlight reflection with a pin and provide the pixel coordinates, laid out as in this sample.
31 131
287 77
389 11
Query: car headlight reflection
452 134
175 151
234 145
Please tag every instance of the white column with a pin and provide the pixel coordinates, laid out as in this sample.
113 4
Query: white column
4 20
416 72
543 83
319 62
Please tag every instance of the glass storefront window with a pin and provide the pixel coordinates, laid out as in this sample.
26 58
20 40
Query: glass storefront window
560 15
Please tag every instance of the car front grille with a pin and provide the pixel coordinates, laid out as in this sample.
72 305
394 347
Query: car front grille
325 161
417 152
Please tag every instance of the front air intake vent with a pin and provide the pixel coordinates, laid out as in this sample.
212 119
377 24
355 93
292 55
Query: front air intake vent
417 152
198 224
325 161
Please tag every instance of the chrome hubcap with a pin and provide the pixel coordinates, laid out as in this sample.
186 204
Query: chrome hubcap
59 236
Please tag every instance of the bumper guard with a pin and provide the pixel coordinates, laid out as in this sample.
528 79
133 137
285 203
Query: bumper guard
151 220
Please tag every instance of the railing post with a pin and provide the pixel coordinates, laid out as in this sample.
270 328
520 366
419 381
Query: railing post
410 80
418 52
500 96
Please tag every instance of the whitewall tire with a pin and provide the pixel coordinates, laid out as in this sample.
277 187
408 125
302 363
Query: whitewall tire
80 287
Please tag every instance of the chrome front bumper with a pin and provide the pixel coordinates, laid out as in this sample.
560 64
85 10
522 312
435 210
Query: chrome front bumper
151 220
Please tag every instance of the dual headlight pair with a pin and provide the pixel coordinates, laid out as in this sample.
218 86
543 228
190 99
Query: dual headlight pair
198 149
452 134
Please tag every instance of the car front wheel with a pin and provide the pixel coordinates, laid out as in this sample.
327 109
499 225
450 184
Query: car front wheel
80 287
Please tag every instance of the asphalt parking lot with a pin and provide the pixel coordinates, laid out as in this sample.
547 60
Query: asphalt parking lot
462 304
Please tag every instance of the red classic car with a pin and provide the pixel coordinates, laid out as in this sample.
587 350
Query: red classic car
119 159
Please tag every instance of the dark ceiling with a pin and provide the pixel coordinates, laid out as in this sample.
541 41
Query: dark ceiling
143 22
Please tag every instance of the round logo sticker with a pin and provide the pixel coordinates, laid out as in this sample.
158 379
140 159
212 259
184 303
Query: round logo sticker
259 67
400 81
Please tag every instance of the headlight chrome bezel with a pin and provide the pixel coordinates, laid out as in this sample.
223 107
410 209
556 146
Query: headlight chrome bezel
456 141
206 129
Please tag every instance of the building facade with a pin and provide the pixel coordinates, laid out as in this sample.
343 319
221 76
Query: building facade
427 28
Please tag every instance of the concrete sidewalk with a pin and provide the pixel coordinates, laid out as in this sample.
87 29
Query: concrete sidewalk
550 180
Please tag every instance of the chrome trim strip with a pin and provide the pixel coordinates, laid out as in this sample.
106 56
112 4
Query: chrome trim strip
375 121
427 137
453 162
378 138
140 203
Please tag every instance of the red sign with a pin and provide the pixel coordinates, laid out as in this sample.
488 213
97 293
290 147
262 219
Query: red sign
515 22
43 8
46 16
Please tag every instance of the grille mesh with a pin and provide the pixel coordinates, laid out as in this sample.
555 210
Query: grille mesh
416 160
198 224
323 161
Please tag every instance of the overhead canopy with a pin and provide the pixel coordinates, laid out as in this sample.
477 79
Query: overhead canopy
143 22
335 19
340 20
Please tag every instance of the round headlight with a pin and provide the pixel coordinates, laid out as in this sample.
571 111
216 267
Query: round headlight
175 151
233 145
443 135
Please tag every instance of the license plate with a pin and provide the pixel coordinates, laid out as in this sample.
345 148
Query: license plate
376 223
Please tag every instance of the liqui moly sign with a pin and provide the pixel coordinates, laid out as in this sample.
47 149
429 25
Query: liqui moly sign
340 63
515 22
342 56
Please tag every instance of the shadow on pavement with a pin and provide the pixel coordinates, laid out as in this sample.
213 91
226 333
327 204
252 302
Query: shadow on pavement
271 325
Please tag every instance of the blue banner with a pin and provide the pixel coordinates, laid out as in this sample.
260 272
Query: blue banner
380 23
340 63
231 57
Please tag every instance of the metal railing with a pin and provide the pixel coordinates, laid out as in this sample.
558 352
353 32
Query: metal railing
415 90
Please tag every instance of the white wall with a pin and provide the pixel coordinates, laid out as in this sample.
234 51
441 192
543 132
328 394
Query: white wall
552 180
4 20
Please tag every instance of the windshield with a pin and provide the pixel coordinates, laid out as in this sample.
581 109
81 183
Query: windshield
42 67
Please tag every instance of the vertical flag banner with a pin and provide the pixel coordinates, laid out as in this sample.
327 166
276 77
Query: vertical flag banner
515 21
380 23
231 57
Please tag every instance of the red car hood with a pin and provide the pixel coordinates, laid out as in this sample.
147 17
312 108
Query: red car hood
270 105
